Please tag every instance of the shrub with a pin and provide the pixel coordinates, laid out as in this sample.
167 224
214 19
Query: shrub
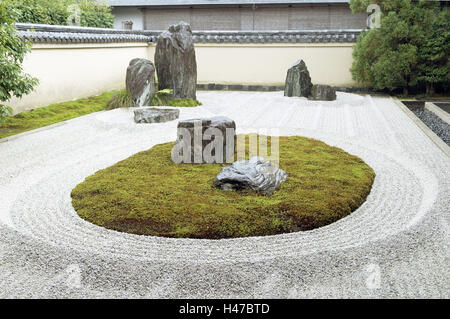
93 14
164 98
409 50
120 99
161 98
13 82
184 102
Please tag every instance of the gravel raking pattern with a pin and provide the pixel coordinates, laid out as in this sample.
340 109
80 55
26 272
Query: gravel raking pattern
394 245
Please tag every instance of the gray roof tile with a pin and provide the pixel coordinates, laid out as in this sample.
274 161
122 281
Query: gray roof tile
39 33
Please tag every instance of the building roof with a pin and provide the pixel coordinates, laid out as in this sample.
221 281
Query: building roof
143 3
41 33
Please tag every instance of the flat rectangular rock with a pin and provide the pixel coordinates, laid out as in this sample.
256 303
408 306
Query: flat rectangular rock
155 115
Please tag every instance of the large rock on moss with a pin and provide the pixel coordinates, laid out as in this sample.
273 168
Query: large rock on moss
321 92
175 61
140 81
298 81
256 174
205 140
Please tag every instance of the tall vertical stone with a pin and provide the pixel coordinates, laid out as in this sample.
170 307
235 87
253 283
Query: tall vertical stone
163 56
140 81
298 81
175 61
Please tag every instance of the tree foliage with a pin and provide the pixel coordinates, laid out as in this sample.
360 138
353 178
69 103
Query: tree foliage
433 54
13 82
93 14
410 49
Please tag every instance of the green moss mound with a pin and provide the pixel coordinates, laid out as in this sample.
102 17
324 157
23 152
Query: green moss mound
147 194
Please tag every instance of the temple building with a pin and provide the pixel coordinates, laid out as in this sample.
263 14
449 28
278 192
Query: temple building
243 15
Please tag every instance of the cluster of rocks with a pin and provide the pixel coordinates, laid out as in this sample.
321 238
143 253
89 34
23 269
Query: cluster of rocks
176 68
213 140
298 83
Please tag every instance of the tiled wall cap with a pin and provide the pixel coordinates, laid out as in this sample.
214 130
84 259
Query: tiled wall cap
41 33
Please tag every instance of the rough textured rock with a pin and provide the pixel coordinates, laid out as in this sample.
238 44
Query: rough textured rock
224 126
155 115
255 174
175 61
323 93
298 81
140 81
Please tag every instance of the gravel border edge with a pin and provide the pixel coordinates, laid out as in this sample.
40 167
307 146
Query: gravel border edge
432 136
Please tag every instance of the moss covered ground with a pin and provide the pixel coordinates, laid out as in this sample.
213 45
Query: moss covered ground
52 114
148 194
59 112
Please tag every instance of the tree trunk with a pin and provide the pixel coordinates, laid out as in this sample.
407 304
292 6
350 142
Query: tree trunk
405 91
430 89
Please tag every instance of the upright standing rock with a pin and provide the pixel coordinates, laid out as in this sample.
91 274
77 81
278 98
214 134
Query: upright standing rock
298 81
163 56
176 66
140 81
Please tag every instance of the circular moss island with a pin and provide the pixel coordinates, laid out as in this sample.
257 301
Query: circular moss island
148 194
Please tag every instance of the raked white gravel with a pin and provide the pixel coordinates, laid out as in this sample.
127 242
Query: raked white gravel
394 245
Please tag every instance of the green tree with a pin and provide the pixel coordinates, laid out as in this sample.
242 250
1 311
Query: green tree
393 55
93 14
13 82
433 67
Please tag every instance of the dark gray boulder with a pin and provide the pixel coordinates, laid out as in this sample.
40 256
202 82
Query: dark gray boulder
256 174
140 81
298 81
175 61
321 92
163 54
155 115
205 140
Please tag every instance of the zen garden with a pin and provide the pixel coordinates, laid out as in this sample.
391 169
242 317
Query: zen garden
204 162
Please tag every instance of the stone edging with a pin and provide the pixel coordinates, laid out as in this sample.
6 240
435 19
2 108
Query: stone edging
433 137
268 88
438 111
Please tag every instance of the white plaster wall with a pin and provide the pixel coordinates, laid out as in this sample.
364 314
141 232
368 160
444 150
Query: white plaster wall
128 14
71 71
267 64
